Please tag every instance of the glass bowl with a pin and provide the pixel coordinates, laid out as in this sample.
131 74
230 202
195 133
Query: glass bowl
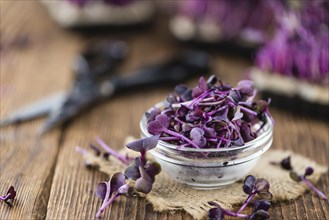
210 168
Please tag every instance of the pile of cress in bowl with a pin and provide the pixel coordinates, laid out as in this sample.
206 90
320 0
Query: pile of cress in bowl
211 135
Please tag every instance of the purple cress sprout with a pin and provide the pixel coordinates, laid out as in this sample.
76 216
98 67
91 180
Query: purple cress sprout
286 165
302 178
251 186
141 170
109 191
141 173
9 197
211 115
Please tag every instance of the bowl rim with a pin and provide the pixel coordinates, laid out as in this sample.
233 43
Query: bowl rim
268 130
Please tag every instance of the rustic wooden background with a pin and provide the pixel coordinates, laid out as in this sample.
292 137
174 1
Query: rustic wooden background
50 178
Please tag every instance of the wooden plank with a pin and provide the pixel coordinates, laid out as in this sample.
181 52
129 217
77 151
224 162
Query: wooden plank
26 161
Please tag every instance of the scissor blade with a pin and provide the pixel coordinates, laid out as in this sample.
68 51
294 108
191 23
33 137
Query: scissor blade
70 107
37 109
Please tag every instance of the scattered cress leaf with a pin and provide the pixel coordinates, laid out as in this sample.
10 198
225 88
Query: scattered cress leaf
101 190
9 197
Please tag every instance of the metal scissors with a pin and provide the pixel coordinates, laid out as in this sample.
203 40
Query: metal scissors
95 81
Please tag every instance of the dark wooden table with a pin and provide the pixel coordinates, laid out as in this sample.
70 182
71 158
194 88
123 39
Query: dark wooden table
51 180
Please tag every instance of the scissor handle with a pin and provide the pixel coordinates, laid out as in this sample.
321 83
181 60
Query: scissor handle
99 60
175 71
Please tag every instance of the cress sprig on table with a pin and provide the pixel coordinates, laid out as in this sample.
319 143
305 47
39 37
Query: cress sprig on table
211 115
9 197
285 164
252 187
139 175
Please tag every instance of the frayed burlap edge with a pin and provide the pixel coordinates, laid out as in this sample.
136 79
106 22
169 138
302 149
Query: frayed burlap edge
169 195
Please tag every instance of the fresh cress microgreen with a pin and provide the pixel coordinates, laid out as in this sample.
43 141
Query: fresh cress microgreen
251 186
286 165
9 197
211 115
138 176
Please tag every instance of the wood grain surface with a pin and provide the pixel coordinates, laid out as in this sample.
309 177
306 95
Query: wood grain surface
51 180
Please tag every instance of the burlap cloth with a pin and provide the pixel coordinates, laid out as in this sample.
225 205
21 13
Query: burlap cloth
168 195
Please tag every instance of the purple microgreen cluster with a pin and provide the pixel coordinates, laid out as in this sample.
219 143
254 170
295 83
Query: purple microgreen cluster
247 20
300 45
142 170
251 187
9 197
286 165
82 3
141 173
211 115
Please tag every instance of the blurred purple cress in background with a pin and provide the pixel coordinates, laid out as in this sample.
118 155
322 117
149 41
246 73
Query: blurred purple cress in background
300 45
249 21
82 3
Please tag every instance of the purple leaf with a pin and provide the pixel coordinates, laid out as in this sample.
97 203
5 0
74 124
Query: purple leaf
308 171
262 204
186 127
238 142
209 132
201 88
235 95
246 89
261 187
101 190
132 171
157 126
117 180
238 114
144 183
150 116
154 127
144 144
246 133
152 168
163 120
182 111
248 184
194 114
197 137
286 164
9 197
261 184
215 214
183 92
